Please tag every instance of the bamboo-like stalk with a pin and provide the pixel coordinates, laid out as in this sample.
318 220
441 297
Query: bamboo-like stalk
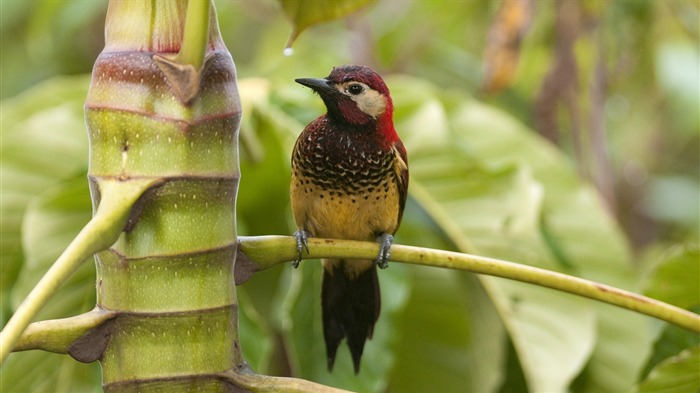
153 114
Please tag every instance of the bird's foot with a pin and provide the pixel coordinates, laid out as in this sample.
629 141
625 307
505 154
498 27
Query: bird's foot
301 236
385 241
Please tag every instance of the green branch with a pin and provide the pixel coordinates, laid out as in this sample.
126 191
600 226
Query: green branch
58 335
264 252
99 233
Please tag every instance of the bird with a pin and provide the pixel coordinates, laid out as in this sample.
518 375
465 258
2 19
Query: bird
349 181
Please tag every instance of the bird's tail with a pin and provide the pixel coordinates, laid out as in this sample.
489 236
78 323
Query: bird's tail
350 305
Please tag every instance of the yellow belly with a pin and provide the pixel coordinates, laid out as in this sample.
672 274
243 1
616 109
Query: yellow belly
362 216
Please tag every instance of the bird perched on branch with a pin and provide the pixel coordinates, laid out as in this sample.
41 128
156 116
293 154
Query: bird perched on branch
349 181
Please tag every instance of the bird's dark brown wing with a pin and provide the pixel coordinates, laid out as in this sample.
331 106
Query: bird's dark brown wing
401 173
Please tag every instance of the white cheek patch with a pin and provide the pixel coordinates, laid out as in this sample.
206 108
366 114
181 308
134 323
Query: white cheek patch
370 102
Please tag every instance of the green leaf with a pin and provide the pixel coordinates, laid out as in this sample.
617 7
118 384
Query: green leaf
45 202
263 160
675 374
51 221
492 205
671 341
449 338
54 373
255 332
40 40
675 278
305 13
576 233
49 119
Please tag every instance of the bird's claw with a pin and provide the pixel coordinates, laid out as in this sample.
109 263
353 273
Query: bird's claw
301 236
385 241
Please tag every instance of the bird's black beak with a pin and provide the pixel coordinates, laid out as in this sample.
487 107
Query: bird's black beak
318 85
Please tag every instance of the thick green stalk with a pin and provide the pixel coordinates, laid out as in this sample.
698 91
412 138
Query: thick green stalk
169 276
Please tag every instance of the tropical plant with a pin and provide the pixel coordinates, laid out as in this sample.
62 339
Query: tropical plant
482 182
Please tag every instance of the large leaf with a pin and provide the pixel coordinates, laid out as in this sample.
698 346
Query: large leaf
493 206
450 338
306 13
45 202
44 39
675 278
574 233
43 143
679 373
51 221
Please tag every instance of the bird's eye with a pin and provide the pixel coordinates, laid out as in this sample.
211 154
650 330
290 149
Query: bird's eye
355 89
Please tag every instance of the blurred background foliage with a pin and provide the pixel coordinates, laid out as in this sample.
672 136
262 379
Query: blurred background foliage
631 68
560 133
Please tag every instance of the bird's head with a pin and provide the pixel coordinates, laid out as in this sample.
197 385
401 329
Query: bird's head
355 95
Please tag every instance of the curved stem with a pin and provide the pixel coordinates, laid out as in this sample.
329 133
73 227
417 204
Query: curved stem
99 233
268 251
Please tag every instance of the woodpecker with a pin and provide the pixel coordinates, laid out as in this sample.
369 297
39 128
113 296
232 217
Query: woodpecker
349 181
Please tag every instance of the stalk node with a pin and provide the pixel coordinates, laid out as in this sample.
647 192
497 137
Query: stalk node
183 78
